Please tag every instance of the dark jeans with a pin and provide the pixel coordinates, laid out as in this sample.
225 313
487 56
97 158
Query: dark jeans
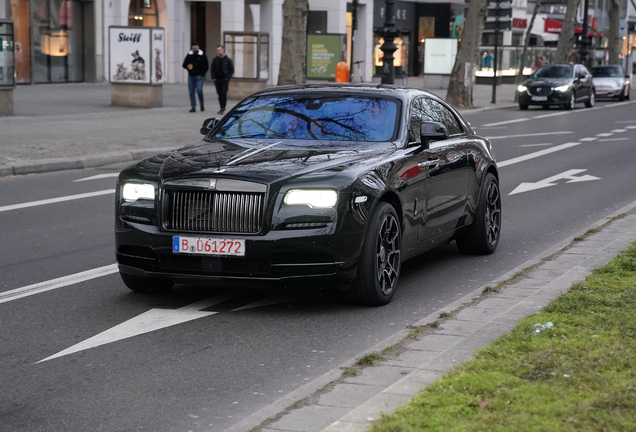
221 89
195 83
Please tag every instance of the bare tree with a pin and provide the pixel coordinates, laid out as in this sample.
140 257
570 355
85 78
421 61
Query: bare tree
294 52
526 42
566 38
460 89
614 40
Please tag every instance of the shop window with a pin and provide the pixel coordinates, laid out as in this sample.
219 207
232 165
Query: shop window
400 57
250 54
143 13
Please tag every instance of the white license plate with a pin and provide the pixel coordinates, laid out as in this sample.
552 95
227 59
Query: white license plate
539 98
208 246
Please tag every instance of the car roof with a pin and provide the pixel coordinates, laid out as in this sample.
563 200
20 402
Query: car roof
369 89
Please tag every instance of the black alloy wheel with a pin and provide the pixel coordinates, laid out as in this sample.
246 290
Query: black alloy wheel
483 235
591 101
146 285
571 103
380 261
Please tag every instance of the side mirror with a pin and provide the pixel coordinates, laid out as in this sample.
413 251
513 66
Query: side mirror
432 131
208 125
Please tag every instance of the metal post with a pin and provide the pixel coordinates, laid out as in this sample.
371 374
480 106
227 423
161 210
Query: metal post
354 27
388 47
494 68
585 40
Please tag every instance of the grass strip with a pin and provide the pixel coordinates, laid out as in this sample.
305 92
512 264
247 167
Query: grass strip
577 375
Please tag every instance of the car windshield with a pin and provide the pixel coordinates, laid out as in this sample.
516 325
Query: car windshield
554 72
321 117
607 72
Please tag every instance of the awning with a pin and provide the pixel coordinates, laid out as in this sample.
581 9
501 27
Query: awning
554 26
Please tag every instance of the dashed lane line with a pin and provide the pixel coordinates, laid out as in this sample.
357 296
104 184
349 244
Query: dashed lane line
537 154
606 134
56 200
531 134
589 139
614 139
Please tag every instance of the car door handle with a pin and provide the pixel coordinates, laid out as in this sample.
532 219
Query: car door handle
433 163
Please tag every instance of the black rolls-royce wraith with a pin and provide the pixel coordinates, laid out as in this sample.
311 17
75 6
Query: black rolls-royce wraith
333 183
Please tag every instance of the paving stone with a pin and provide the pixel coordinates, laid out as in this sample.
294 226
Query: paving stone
476 313
546 274
341 426
435 342
487 334
447 360
518 294
412 358
459 328
380 375
349 395
372 410
312 418
498 302
414 383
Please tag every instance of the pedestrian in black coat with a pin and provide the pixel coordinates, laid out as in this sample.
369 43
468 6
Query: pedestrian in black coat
222 70
197 65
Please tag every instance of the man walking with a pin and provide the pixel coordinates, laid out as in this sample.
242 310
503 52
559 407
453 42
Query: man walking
197 65
222 70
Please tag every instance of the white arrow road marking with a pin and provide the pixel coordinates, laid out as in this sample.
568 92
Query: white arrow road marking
61 282
537 154
56 200
96 177
569 175
154 319
531 134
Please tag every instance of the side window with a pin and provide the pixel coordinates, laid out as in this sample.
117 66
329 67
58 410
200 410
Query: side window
440 113
418 115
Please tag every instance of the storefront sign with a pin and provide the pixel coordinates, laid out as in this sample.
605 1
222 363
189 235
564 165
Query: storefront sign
324 51
439 56
519 22
137 55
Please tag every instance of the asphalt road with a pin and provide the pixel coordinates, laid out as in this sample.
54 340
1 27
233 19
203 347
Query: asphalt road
75 357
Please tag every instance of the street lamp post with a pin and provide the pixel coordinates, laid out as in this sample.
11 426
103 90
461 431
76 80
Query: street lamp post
388 47
585 39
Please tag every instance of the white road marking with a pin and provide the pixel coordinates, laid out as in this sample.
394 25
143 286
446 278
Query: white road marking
532 134
588 139
569 175
285 298
619 130
537 154
606 134
614 139
626 121
96 177
552 115
630 127
56 200
536 145
506 122
61 282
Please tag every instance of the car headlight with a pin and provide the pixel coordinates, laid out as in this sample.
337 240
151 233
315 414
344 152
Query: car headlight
562 88
522 88
135 191
316 198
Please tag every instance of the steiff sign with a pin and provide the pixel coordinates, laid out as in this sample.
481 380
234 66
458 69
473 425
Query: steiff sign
137 55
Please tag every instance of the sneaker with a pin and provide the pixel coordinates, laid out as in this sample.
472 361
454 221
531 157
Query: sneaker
221 111
192 110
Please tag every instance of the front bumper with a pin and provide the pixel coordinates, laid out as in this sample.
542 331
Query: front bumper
554 98
309 254
609 92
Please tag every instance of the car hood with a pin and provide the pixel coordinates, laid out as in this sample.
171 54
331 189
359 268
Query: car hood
266 160
547 82
610 82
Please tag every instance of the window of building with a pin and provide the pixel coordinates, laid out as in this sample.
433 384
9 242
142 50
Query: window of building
143 13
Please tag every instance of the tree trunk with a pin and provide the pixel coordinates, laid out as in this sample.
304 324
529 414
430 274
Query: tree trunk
566 38
460 88
293 50
614 40
526 42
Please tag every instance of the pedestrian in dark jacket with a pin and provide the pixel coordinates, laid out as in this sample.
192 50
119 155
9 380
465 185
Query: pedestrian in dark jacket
197 65
222 70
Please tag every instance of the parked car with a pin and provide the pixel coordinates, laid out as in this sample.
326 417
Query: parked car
610 81
558 84
336 184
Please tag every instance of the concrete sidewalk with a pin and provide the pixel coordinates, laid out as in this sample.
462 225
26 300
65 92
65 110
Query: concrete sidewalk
73 126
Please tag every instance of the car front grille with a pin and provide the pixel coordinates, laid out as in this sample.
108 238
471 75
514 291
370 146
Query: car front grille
540 90
213 211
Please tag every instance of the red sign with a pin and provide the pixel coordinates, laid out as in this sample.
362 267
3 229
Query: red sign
519 22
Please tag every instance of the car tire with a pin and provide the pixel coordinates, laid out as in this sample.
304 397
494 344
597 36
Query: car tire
380 261
622 96
146 285
483 235
591 101
571 103
545 107
523 107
